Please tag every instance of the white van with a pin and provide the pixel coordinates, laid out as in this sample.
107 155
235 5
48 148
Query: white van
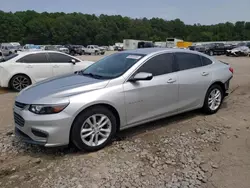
7 49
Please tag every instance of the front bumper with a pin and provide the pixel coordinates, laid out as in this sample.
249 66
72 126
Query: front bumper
47 130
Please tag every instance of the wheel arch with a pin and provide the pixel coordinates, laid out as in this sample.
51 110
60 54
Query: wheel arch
221 84
9 83
106 105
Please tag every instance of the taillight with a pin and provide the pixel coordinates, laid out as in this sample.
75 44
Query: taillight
231 70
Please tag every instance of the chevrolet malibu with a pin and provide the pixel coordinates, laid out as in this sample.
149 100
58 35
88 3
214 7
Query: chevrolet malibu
120 91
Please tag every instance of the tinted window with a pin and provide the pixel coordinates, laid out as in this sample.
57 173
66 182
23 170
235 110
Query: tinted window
187 61
206 61
34 58
158 65
60 58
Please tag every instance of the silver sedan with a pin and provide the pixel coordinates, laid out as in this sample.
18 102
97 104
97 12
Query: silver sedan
122 90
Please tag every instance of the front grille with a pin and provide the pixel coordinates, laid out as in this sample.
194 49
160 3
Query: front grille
20 105
19 120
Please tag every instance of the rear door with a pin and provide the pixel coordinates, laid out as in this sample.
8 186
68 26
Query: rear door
62 63
193 79
36 66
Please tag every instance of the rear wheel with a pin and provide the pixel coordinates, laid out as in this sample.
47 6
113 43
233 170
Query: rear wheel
213 99
19 82
93 129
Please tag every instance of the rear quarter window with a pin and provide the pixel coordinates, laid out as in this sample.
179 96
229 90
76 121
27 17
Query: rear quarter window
206 61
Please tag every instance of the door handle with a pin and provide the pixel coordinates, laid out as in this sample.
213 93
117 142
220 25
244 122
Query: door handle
171 81
205 74
55 66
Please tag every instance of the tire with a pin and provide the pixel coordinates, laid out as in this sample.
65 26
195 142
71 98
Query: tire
72 53
19 82
211 53
207 106
80 124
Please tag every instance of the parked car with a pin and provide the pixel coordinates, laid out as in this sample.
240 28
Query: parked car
58 48
7 49
198 48
217 49
75 49
239 51
94 49
119 91
31 47
27 68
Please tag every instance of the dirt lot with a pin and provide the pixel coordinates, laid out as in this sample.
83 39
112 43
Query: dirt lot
188 150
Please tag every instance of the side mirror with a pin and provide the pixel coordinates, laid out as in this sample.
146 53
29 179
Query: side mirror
141 76
73 61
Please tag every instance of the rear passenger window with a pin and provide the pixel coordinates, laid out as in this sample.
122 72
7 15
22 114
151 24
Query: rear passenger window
158 65
34 58
187 61
206 61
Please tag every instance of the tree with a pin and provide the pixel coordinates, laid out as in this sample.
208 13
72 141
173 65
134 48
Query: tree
77 28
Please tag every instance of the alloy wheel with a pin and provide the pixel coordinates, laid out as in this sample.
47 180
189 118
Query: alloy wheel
95 130
214 99
20 82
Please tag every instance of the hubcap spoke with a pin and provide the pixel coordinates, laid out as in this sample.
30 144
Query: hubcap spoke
96 139
105 130
87 135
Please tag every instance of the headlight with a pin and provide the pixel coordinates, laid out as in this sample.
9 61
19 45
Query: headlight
47 109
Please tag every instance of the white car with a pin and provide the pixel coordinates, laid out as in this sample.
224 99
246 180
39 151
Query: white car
25 68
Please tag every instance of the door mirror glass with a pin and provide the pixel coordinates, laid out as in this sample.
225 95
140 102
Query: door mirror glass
141 76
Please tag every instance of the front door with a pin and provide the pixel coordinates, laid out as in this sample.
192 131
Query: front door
154 98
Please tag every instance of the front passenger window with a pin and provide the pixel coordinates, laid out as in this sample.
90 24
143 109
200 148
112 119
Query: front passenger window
158 65
60 58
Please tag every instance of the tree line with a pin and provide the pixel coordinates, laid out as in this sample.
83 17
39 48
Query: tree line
30 27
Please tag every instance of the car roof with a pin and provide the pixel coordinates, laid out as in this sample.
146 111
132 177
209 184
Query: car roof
147 51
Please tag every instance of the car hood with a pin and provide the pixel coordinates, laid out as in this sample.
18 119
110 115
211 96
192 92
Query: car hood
59 88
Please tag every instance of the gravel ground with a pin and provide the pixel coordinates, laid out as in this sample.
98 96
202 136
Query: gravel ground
184 151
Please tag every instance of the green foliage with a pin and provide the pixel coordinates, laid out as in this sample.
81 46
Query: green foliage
78 28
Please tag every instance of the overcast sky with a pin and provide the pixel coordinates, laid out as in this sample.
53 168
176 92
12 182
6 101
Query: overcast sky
189 11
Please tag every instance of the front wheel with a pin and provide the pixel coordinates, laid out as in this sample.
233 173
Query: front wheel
213 99
19 82
93 129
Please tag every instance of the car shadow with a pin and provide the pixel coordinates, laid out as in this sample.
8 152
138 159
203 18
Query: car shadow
154 125
57 152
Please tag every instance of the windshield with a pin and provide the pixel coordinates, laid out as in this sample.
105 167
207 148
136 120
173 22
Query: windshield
6 58
112 66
